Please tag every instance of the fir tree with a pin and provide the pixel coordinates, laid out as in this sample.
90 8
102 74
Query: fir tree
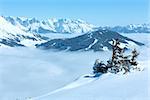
118 62
117 53
99 67
125 64
134 56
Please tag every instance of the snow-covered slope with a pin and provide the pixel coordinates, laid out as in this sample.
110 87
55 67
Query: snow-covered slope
107 87
50 25
11 35
99 40
48 75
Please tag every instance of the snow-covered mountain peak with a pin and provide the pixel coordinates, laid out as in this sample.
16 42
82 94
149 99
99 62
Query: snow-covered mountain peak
61 25
64 25
9 28
23 18
12 35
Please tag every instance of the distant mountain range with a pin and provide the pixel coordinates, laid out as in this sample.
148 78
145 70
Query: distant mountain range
53 25
28 32
99 40
50 25
139 28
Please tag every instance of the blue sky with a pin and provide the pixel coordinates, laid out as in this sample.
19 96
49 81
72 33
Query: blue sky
99 12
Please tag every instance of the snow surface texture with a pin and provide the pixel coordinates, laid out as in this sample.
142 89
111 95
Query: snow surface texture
48 75
77 83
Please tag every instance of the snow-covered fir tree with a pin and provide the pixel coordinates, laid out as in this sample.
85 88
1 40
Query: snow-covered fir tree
99 66
117 53
118 62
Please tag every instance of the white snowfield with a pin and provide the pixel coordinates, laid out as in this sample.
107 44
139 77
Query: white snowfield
77 83
32 74
102 87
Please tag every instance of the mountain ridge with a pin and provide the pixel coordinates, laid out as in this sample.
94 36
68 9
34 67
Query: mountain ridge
71 26
131 28
99 40
51 25
17 31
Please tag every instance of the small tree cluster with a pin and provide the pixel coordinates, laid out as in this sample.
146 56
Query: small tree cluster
118 62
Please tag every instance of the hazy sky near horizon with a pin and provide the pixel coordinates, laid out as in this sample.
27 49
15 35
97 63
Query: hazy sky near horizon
99 12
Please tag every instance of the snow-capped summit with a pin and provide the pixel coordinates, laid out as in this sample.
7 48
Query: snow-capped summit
50 25
71 26
11 35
